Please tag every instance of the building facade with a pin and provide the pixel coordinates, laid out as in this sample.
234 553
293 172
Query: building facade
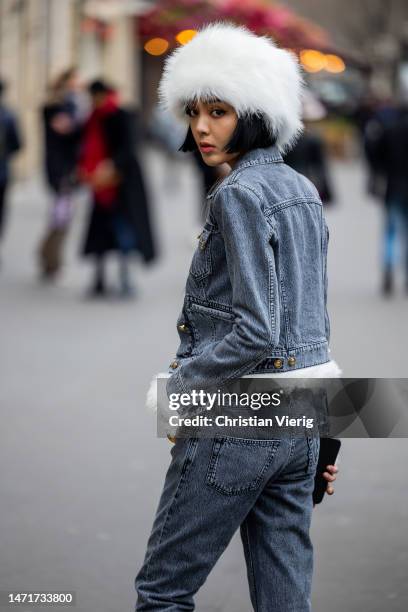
40 38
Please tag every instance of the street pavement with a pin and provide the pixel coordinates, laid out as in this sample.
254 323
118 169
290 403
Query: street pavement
82 468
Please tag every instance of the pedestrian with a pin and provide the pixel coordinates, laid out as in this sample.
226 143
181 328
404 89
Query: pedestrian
10 143
119 218
62 117
309 156
386 142
255 302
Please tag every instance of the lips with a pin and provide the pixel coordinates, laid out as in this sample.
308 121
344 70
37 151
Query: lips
205 147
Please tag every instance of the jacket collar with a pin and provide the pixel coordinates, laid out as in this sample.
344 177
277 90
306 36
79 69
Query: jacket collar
264 155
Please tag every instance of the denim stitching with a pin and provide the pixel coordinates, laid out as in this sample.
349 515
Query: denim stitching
244 186
255 483
251 564
292 202
206 266
188 460
192 299
285 311
203 309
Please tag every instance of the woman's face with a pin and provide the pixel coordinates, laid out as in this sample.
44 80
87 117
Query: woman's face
212 125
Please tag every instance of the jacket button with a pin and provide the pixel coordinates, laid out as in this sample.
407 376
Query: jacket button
277 363
291 361
183 327
174 365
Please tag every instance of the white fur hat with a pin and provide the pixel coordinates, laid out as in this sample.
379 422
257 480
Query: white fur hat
248 71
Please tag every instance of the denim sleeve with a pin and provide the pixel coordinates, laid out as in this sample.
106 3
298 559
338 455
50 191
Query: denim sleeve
326 314
251 268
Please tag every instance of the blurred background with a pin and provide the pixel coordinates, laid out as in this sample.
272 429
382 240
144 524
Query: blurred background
90 292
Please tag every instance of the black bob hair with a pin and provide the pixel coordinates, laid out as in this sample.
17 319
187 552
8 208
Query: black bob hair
250 133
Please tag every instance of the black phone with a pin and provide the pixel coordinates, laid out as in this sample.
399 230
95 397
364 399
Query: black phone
329 449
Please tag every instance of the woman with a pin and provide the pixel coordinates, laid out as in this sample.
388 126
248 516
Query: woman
119 219
10 144
255 302
62 117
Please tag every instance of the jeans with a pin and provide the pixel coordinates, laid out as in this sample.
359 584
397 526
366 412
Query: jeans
124 233
396 226
212 487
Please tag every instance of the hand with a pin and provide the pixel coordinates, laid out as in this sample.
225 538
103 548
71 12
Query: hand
172 438
105 175
330 475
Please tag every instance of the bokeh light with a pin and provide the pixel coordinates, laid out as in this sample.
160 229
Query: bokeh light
312 60
185 36
156 46
334 63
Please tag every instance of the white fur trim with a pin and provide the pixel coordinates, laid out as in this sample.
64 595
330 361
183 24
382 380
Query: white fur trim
323 370
151 395
248 71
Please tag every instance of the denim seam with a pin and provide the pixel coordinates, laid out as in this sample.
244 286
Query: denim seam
196 333
292 202
180 381
207 263
212 464
251 564
210 303
214 329
209 311
244 186
239 490
292 446
188 459
306 347
312 456
285 310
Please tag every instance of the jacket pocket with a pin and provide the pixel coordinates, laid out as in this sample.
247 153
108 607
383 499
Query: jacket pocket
210 311
201 264
238 465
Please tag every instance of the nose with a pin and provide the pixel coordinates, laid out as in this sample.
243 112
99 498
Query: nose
202 124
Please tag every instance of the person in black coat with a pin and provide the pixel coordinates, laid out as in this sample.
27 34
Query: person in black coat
119 218
309 158
62 119
10 143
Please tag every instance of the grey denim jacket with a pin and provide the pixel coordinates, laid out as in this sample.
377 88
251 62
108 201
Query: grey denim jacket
256 293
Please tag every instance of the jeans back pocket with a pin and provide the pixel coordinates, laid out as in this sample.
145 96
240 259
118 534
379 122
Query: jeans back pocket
238 465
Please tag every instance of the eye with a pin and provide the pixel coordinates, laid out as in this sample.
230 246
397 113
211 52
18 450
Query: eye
191 112
219 112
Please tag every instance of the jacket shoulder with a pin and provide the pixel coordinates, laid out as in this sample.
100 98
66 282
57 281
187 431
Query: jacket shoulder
276 183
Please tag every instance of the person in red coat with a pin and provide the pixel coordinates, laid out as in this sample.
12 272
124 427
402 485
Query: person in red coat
119 217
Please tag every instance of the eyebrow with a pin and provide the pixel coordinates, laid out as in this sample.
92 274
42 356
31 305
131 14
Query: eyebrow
191 104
